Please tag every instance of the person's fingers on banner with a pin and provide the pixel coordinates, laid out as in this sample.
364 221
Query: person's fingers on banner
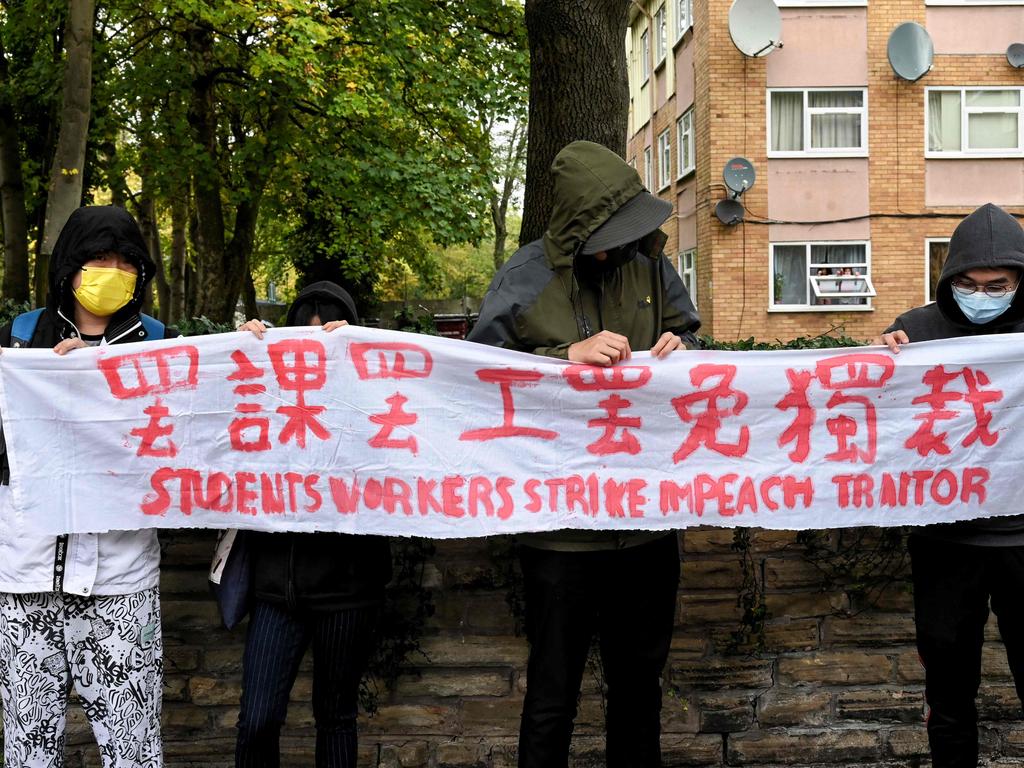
255 327
605 348
891 340
334 324
667 343
65 346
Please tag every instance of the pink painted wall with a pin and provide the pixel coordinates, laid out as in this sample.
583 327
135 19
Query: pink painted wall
821 47
973 182
982 29
686 210
661 85
684 76
818 189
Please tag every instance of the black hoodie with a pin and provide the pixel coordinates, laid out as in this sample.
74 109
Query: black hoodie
320 571
988 238
90 231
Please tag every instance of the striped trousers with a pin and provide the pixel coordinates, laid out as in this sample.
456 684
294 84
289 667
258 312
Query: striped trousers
277 640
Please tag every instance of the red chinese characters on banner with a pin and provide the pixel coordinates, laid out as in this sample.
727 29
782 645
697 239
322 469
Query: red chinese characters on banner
392 360
300 366
926 440
589 378
506 379
132 376
719 401
843 376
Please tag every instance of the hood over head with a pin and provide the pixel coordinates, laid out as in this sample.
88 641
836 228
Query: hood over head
600 203
988 238
89 231
327 300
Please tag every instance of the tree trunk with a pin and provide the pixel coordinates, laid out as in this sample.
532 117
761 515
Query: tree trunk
151 233
179 257
65 191
12 199
252 309
511 173
578 90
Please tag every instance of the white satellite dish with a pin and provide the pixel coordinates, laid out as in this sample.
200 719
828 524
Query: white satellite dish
910 51
1015 55
755 27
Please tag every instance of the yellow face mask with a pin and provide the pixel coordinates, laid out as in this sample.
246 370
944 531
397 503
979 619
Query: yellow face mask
104 290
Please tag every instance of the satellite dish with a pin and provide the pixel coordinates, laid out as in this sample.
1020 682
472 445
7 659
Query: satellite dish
739 175
755 26
729 212
1015 55
910 51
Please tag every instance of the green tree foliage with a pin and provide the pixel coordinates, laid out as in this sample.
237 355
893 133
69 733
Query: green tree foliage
330 136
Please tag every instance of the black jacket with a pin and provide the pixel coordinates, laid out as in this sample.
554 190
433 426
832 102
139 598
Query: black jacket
89 231
987 238
320 571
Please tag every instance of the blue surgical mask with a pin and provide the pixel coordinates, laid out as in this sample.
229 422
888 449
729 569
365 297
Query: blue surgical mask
979 307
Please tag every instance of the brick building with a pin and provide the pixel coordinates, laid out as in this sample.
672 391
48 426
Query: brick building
860 175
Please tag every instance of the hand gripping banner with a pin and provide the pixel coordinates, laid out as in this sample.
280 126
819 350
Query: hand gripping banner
369 431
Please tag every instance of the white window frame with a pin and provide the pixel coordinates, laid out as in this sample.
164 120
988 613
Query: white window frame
965 112
645 56
928 264
972 3
648 169
808 151
661 35
822 3
688 274
685 137
664 159
812 279
684 17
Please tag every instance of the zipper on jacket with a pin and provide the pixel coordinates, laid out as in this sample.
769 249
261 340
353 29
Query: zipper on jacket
289 586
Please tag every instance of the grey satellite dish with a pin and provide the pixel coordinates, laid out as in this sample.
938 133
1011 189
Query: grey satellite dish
910 51
729 212
1015 55
738 175
755 26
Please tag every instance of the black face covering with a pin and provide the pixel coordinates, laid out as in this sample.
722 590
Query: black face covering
618 257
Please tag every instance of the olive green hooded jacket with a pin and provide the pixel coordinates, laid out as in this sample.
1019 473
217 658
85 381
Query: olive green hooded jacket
548 295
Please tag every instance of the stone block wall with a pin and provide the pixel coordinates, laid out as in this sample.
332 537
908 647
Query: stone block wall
829 683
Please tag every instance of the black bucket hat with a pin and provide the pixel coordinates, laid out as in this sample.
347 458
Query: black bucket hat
637 217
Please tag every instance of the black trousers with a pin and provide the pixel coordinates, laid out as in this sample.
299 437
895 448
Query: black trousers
953 585
276 642
627 596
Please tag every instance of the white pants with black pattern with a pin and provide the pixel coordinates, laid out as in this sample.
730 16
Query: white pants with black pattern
109 647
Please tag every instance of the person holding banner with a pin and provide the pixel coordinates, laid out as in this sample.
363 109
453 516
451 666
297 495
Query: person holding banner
319 589
84 609
593 289
959 569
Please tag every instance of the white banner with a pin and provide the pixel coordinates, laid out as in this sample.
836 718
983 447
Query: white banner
372 431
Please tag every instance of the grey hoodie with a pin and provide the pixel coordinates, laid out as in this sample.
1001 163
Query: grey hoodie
989 237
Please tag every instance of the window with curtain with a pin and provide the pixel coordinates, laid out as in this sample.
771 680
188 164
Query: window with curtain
825 276
648 182
974 121
664 158
684 129
661 34
808 122
687 268
934 259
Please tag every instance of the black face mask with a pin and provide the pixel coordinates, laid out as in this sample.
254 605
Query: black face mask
618 257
